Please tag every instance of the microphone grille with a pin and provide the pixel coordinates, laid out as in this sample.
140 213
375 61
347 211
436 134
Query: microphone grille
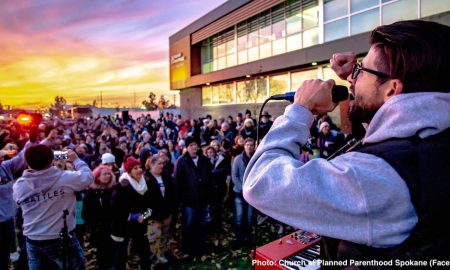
339 93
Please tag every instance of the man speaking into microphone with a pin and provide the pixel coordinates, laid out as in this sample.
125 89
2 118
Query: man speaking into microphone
387 198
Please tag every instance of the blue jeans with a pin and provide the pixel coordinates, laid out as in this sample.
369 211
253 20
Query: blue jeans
243 216
193 229
47 254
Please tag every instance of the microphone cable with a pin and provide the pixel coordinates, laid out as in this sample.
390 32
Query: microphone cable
255 225
339 93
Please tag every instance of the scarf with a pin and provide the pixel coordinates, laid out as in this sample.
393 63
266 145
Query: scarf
140 187
245 158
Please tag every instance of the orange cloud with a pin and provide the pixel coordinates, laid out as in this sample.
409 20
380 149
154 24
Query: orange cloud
79 48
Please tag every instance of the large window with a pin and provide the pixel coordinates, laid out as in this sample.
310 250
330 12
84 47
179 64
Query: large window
206 95
261 89
265 35
242 43
336 29
279 84
289 26
365 21
432 7
278 30
294 24
334 9
219 51
400 10
255 90
297 78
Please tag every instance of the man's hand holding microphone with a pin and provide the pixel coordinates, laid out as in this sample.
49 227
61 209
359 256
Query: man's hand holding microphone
319 96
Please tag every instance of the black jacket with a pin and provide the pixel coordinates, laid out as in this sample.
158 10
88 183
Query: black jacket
193 183
423 164
166 204
126 200
97 209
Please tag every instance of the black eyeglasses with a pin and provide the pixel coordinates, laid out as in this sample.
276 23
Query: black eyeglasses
357 69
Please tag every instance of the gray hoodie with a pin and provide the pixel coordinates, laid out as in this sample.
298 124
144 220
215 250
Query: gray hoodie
356 196
43 195
7 170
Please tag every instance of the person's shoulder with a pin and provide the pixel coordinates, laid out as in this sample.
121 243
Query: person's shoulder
122 183
238 158
19 183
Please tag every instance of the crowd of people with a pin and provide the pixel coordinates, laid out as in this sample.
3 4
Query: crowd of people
122 181
129 181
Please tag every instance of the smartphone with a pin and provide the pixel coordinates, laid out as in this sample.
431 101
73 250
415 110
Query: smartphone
60 155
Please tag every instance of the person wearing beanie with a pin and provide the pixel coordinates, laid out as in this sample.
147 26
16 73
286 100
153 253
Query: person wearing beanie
97 212
329 141
43 192
109 160
248 130
131 201
193 180
325 127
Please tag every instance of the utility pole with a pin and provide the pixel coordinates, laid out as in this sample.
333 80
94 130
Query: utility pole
101 98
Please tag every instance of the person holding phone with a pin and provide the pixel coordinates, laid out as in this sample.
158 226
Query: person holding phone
43 193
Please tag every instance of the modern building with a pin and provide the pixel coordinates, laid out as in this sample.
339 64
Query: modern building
242 52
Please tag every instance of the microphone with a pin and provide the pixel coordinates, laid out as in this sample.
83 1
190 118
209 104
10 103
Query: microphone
338 93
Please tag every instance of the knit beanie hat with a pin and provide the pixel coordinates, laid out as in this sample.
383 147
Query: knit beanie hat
324 124
130 163
98 171
189 140
108 158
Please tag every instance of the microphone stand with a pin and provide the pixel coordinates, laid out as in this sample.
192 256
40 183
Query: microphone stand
64 236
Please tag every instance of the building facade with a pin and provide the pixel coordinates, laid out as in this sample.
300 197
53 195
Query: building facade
242 52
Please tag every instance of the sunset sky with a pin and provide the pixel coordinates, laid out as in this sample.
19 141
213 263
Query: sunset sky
79 48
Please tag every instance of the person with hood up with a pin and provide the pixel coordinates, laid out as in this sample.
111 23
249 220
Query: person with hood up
43 193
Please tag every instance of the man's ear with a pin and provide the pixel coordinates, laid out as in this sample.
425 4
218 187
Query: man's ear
394 87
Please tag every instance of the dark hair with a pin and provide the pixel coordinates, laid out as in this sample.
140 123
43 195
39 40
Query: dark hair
154 159
415 52
39 157
248 139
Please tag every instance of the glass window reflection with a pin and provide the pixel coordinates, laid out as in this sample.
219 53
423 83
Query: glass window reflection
358 5
432 7
334 9
297 78
398 11
206 95
335 30
365 21
278 84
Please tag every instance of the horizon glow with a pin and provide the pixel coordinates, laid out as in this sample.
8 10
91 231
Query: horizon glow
81 48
